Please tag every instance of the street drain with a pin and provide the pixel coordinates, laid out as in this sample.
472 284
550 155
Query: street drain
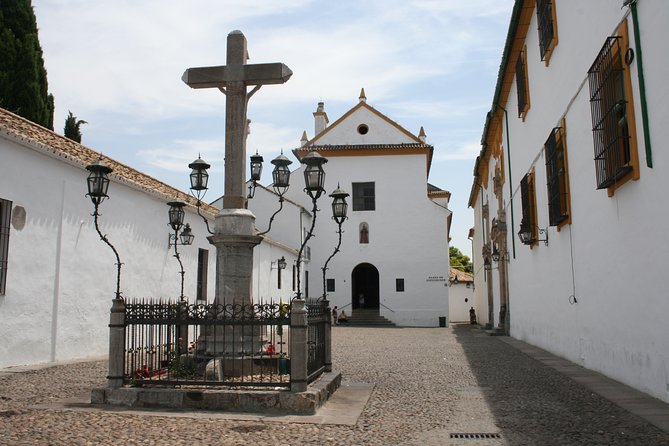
478 436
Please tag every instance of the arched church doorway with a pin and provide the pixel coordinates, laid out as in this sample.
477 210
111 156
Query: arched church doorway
365 283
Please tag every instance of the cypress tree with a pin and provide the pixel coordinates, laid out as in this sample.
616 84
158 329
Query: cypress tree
72 128
23 83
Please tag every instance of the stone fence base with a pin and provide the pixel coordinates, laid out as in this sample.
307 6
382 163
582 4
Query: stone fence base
256 401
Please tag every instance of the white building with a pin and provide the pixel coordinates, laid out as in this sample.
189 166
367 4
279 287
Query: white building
573 158
394 248
57 278
460 295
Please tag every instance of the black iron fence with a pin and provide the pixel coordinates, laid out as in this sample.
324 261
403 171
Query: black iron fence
170 343
318 313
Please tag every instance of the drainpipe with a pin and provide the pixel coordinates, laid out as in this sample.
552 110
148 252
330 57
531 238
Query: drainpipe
642 84
508 156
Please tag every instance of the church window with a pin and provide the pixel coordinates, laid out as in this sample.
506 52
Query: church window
612 110
522 85
557 178
5 218
293 287
364 233
363 129
330 285
399 285
202 271
278 278
528 201
363 196
547 28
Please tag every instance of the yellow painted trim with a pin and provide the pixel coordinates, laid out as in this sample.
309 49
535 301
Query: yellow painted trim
635 174
563 141
549 50
508 78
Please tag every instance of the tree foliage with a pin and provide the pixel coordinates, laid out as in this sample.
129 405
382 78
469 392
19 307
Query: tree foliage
72 128
459 260
23 83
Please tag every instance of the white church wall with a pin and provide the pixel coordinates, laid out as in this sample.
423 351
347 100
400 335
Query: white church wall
611 258
407 239
61 277
379 132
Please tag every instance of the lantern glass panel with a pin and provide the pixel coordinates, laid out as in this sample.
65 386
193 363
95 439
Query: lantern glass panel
339 207
98 184
314 177
199 179
281 176
176 215
186 236
256 167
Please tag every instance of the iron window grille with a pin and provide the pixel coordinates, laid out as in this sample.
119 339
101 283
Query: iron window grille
363 197
528 201
5 218
546 30
399 285
556 175
608 106
521 85
330 285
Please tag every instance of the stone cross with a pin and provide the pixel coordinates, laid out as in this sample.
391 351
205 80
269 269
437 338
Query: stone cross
232 79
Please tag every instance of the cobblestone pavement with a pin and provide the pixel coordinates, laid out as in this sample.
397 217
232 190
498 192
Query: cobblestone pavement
429 384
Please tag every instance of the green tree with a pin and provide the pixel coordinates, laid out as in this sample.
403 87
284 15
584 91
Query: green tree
72 128
459 260
23 83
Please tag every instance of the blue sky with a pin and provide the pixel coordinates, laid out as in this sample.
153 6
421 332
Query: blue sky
118 63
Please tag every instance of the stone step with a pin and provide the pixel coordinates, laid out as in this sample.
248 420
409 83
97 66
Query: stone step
367 318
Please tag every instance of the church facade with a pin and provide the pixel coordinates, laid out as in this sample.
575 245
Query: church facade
394 252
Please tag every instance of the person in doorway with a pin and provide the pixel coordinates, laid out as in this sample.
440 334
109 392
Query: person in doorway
361 300
334 315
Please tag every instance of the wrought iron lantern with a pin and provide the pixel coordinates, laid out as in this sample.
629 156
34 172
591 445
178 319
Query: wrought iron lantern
339 205
314 175
256 170
525 235
486 264
256 166
98 182
186 236
495 254
176 214
281 263
527 238
281 174
199 176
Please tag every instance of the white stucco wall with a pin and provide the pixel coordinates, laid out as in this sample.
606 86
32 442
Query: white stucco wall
61 276
460 300
612 257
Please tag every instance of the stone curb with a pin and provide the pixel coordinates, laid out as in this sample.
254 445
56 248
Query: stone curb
254 401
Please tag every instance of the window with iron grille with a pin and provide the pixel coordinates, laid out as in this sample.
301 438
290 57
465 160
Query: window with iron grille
528 201
399 285
547 34
557 178
612 114
363 197
521 85
202 272
330 285
5 218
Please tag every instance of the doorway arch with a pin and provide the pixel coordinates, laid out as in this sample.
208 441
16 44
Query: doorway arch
365 281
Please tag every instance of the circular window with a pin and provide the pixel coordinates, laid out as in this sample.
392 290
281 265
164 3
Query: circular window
363 129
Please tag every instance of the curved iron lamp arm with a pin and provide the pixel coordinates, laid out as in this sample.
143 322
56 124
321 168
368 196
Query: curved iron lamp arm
181 265
271 219
304 243
206 222
325 267
104 238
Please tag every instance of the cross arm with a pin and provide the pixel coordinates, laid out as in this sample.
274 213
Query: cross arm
256 74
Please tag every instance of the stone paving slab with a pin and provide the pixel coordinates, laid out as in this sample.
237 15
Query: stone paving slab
645 406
